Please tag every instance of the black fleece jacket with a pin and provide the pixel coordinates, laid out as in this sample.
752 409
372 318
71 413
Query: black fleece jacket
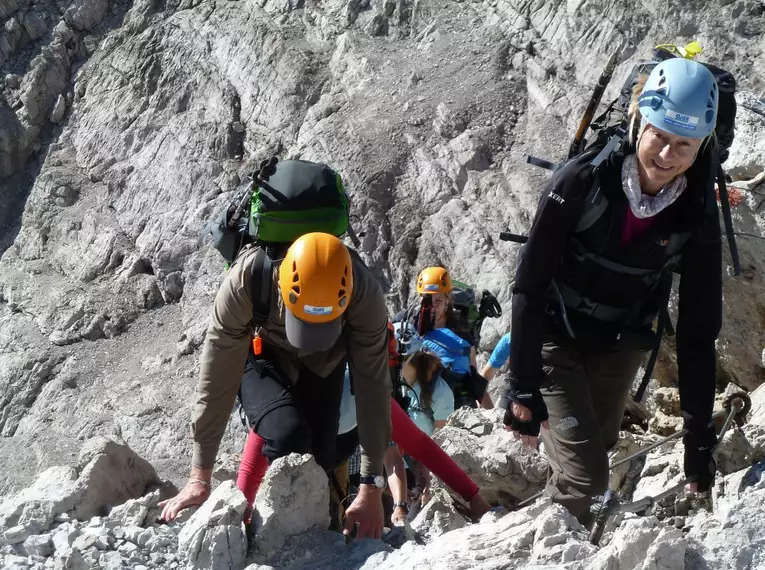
700 289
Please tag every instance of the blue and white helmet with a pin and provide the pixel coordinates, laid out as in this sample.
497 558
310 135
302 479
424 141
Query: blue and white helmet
680 97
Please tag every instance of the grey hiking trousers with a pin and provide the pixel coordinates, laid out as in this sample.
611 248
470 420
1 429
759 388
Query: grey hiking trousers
585 394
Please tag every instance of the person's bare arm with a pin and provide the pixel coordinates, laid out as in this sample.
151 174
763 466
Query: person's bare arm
486 401
489 372
396 470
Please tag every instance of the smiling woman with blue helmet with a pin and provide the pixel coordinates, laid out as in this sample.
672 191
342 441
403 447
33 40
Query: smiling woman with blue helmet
594 273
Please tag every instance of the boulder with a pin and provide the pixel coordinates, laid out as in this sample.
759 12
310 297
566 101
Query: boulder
110 473
133 512
757 416
732 537
438 516
502 467
54 492
535 537
667 400
642 544
293 499
39 545
214 539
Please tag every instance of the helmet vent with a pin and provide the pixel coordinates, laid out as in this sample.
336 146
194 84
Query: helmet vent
293 297
662 87
341 294
342 281
342 301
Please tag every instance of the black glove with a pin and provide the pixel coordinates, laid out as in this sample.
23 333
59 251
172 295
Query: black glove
527 394
699 445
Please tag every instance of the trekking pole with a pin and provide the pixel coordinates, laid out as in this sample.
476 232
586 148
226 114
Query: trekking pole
646 450
736 407
592 106
267 168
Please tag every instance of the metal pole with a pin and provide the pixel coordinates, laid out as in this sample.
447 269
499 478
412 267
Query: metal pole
531 499
659 443
647 502
609 504
736 406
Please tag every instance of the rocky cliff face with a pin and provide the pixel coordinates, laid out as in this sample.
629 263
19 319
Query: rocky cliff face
125 127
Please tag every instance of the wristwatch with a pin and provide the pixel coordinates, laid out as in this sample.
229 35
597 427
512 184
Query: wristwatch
403 505
376 480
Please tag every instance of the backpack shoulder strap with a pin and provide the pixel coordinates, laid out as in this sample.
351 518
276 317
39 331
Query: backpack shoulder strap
594 205
728 220
260 287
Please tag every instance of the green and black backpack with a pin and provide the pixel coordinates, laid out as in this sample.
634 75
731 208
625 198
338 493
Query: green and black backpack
472 311
283 201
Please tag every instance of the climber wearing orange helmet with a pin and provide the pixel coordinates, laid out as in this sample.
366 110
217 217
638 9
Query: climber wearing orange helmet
329 310
442 334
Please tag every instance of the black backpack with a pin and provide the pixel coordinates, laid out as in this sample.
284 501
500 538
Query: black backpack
472 311
283 201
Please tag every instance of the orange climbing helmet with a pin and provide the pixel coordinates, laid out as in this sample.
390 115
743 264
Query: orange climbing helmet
316 284
434 280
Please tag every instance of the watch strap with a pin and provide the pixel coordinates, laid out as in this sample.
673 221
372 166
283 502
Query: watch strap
371 480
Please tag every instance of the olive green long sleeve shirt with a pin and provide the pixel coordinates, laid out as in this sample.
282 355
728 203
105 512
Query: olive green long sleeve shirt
226 345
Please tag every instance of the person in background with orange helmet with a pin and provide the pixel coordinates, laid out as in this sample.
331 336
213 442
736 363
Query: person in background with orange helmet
441 333
329 310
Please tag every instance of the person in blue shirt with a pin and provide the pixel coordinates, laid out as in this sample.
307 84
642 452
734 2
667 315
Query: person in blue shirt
498 359
445 337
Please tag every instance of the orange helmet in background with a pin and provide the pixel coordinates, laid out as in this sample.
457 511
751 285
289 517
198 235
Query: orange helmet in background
316 284
434 280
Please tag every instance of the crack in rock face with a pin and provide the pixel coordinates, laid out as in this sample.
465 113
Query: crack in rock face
125 129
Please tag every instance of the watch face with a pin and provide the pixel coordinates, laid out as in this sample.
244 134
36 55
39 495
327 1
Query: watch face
379 481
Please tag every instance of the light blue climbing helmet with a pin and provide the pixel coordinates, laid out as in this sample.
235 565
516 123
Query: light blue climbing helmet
680 97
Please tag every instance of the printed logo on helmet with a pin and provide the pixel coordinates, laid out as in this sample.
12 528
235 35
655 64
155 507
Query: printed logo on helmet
678 119
431 287
312 310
